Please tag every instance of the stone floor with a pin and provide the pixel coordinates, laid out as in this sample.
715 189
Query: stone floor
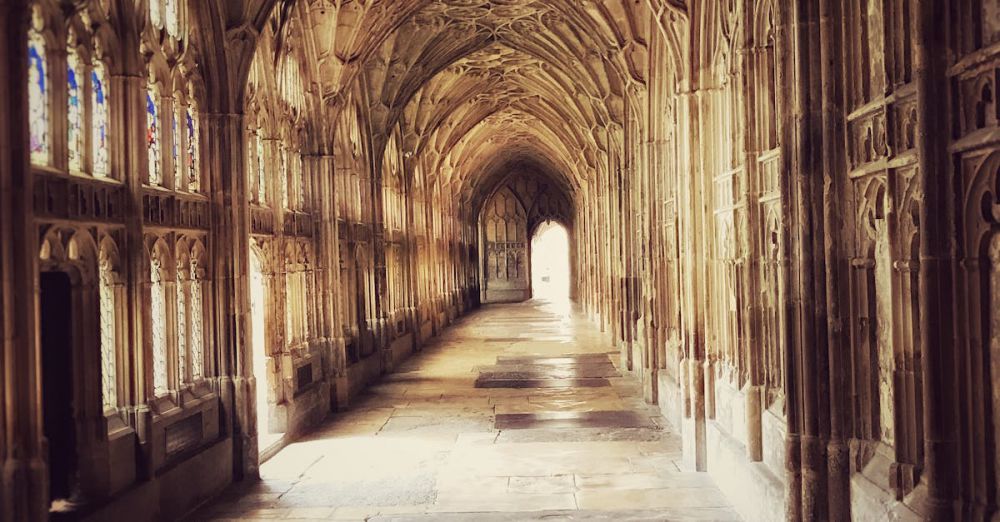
517 412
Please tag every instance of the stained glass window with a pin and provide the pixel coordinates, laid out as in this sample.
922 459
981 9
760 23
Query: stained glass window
156 13
173 18
175 152
109 374
158 314
74 142
99 106
193 158
153 138
38 99
181 332
197 326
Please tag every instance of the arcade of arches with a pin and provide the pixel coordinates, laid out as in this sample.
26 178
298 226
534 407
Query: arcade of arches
221 221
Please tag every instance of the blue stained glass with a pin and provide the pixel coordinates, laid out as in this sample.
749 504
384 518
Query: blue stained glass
37 59
74 114
175 153
194 177
38 100
100 126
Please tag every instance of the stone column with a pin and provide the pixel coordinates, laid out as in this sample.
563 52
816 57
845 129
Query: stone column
937 260
328 255
23 485
132 165
837 281
750 333
230 249
691 220
785 38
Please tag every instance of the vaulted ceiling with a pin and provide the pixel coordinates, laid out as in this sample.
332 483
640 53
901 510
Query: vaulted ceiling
475 86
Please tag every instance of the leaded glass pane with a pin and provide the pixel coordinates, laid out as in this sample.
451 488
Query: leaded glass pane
100 127
197 328
181 332
290 314
158 313
74 113
38 99
175 152
193 157
109 374
153 138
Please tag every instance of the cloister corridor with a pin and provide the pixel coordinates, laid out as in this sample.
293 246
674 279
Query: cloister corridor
516 412
500 259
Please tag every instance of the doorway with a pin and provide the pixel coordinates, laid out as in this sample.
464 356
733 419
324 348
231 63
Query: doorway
550 267
267 437
58 422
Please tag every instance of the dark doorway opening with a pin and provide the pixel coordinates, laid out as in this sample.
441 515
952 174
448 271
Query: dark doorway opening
57 382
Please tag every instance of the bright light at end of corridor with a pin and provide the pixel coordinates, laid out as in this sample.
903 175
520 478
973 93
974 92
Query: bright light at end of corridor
550 270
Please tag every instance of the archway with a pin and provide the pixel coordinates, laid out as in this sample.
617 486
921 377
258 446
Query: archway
550 263
267 436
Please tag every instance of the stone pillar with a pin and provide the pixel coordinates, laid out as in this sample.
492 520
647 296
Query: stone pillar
937 260
785 38
691 219
837 341
230 249
328 256
23 482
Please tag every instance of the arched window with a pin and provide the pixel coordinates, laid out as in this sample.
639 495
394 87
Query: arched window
158 316
75 110
193 155
99 127
109 363
155 176
38 99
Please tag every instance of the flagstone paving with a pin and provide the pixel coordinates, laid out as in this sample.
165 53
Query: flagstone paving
516 412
